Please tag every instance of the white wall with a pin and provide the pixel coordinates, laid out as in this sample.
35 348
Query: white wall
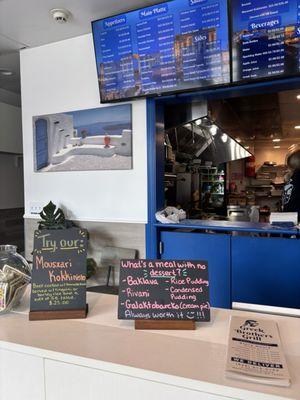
11 178
62 77
10 129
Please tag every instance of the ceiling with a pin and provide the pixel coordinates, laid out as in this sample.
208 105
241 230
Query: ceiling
257 120
29 24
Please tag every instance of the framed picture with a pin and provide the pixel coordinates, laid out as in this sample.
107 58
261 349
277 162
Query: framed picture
87 140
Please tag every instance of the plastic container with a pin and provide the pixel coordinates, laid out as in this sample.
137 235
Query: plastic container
254 214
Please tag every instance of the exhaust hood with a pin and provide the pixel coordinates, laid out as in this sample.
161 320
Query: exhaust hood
202 138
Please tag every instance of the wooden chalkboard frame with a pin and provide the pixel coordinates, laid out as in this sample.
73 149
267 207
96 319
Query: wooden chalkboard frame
165 324
60 314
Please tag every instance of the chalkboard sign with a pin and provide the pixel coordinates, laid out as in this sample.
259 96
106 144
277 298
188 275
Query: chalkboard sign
59 271
164 290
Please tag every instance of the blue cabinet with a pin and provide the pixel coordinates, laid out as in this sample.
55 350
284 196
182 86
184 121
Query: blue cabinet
266 271
213 248
243 269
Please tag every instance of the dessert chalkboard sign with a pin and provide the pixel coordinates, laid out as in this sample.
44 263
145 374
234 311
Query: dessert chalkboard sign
59 274
164 290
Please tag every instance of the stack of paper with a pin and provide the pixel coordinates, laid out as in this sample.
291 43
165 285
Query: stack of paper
284 217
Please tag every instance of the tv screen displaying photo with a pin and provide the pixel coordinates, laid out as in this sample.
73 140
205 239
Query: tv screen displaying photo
265 38
173 46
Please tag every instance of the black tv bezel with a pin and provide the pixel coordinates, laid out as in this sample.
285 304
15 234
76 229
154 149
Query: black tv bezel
169 92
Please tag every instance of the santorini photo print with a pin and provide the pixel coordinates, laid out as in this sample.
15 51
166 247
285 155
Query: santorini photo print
87 140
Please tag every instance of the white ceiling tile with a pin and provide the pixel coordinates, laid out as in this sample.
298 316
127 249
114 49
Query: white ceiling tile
29 21
29 24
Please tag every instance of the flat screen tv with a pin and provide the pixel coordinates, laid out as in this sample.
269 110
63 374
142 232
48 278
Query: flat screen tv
265 39
174 46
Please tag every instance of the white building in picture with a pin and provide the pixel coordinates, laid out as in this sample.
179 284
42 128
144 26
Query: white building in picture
61 146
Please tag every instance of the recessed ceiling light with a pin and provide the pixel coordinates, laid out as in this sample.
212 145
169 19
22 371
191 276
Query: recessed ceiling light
238 140
224 137
213 130
297 127
276 140
276 147
247 147
5 72
298 97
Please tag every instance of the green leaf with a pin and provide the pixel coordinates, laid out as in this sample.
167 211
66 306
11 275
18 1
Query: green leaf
52 218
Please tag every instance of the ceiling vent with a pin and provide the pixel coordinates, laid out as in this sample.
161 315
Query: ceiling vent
60 15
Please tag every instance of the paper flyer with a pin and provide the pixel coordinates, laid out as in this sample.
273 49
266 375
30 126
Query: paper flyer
255 352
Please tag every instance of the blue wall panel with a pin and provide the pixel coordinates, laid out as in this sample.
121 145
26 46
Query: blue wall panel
266 271
213 248
156 168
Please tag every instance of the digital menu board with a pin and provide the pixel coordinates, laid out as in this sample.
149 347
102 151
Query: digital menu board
174 46
265 38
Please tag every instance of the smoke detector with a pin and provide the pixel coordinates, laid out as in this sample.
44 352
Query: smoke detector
60 15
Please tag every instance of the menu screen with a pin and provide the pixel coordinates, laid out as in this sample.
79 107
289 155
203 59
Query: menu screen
174 46
265 38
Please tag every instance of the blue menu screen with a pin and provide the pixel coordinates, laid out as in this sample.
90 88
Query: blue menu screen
174 46
265 38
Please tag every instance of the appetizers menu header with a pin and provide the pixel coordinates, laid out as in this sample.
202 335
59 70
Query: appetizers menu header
162 289
265 39
177 45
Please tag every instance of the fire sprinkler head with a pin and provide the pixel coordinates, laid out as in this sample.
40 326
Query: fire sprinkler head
60 15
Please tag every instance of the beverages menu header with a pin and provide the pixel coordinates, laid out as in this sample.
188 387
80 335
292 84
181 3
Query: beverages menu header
265 38
177 45
164 290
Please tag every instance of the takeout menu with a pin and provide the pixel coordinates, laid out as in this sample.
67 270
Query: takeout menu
173 45
265 38
162 289
59 270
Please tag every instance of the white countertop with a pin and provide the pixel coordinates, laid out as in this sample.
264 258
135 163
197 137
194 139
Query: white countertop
193 359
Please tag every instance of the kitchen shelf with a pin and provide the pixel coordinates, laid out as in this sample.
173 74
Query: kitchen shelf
212 181
259 187
212 174
270 196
